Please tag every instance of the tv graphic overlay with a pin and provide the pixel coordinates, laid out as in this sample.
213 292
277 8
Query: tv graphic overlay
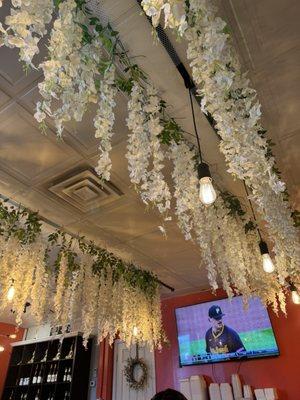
223 330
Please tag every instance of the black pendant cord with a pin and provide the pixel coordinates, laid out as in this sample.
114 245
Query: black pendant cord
137 350
195 126
253 213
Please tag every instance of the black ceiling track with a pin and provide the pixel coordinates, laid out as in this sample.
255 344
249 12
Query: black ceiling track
188 81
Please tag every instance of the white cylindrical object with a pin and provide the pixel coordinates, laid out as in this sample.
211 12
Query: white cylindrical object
198 388
214 391
248 394
185 388
236 386
259 394
226 391
271 394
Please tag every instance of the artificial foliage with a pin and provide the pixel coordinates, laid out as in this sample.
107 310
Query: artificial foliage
87 64
70 280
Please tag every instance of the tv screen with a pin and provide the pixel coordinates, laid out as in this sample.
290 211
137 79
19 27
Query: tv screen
223 330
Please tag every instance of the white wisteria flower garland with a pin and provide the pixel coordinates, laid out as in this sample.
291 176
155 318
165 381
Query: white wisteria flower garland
26 25
144 151
227 96
104 121
68 281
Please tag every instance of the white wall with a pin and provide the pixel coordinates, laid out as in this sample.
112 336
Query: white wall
121 390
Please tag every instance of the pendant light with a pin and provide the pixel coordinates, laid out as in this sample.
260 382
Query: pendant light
295 293
267 262
207 193
11 292
268 265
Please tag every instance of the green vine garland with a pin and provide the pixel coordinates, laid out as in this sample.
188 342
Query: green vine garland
129 372
26 226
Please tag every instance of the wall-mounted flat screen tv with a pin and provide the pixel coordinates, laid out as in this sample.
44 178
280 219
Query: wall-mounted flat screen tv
224 330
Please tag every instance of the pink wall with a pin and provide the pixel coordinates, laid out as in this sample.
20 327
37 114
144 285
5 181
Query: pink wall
281 372
7 329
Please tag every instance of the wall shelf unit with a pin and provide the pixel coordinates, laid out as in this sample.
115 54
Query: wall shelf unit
56 368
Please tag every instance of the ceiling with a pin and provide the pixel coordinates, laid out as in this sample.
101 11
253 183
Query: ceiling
43 173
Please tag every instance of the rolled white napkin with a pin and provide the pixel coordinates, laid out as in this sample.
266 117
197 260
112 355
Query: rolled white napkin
214 391
260 394
185 388
198 387
236 386
271 394
248 394
226 391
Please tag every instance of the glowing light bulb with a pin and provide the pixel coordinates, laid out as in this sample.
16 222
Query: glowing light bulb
268 265
295 297
135 331
12 336
207 193
10 293
2 348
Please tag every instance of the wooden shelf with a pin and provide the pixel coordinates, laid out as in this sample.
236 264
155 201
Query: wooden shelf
77 366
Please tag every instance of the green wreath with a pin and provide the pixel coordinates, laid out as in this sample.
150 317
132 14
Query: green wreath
131 365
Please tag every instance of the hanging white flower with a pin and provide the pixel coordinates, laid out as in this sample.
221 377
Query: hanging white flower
144 152
26 25
104 121
69 84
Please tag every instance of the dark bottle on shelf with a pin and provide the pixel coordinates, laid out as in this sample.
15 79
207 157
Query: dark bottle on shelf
11 397
49 376
54 373
39 375
66 395
69 376
37 395
35 375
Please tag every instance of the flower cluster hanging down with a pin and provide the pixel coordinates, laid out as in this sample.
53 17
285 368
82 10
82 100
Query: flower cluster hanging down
144 147
26 25
227 96
86 287
227 251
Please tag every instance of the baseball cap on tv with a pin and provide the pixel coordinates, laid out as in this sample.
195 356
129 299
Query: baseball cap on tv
215 312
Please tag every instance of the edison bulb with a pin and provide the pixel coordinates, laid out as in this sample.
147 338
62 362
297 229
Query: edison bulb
207 193
12 336
135 331
268 265
2 348
10 293
295 297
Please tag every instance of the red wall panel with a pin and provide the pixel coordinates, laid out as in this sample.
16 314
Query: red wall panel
281 372
105 371
7 329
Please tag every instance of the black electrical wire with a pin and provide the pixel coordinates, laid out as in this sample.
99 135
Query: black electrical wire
252 209
195 126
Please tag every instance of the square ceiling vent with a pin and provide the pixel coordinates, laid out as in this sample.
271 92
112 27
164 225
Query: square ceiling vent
85 190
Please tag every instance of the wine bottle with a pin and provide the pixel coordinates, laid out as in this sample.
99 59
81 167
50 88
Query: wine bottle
45 356
66 395
49 374
39 375
54 373
71 352
11 397
65 375
37 395
69 377
34 378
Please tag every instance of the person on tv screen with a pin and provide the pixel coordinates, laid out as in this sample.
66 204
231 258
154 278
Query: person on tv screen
220 338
